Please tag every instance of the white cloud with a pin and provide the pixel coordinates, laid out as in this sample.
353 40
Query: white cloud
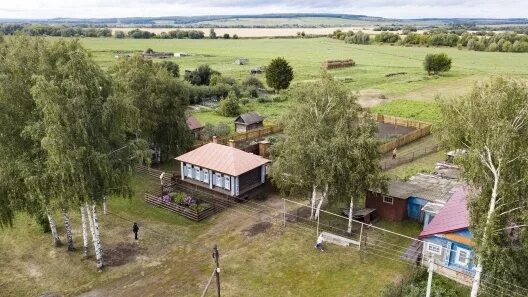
383 8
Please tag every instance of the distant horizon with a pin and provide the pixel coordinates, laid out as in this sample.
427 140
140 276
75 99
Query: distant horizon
391 9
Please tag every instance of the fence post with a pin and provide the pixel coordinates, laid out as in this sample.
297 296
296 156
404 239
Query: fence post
360 235
284 211
430 278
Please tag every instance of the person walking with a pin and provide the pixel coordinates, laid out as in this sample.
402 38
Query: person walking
319 243
394 152
135 229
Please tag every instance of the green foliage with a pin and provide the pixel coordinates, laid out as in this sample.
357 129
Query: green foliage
212 33
159 99
329 143
252 81
119 34
210 130
279 74
172 68
200 76
140 34
230 106
436 63
358 38
177 197
226 36
235 36
414 284
490 123
410 109
387 37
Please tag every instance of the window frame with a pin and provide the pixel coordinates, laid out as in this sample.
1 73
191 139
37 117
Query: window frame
219 180
430 244
227 182
457 256
197 173
388 197
189 170
205 174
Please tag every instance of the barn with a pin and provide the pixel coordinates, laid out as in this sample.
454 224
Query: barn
224 169
195 126
248 121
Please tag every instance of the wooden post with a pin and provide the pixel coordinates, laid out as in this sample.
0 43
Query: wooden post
216 255
360 235
284 211
430 278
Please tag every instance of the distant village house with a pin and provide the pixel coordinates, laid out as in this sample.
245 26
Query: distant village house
248 121
194 125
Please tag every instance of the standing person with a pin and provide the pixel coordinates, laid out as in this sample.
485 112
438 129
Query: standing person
394 152
135 229
319 243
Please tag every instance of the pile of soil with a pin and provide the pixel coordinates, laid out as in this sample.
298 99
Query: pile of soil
121 253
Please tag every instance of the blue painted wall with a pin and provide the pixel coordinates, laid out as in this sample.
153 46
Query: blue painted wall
450 251
414 207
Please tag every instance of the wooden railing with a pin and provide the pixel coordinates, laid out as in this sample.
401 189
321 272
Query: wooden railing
181 210
245 136
422 129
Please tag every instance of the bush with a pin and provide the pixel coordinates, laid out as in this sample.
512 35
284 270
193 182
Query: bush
43 222
252 81
210 130
201 75
436 63
387 37
358 38
279 74
177 197
252 91
172 68
226 36
235 36
119 34
244 101
230 106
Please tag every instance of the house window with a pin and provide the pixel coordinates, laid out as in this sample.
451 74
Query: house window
227 183
434 248
205 176
197 173
189 171
462 256
219 180
388 199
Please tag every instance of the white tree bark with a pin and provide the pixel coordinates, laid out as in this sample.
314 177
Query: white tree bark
97 243
84 222
350 214
314 196
318 209
68 227
54 233
495 170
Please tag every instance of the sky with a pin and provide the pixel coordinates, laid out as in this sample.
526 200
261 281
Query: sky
43 9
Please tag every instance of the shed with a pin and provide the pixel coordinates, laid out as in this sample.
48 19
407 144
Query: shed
195 126
248 121
224 169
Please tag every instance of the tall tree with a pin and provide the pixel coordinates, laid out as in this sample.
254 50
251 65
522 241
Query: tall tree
330 146
159 99
491 124
279 74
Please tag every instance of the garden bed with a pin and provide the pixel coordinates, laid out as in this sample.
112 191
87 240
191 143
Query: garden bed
183 205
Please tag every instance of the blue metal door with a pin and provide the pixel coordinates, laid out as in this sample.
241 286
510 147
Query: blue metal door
414 210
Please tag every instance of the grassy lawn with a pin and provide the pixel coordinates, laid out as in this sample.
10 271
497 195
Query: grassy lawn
417 110
173 257
422 165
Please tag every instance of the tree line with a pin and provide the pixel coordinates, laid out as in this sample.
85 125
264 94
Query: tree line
54 30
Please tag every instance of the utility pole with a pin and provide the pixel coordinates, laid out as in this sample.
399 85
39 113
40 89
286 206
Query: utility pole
430 279
216 255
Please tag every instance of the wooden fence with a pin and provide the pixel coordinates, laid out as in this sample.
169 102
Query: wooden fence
246 136
181 210
422 129
155 173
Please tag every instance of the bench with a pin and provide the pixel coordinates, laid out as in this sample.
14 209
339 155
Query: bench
336 239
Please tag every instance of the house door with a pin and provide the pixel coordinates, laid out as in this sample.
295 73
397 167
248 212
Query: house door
414 210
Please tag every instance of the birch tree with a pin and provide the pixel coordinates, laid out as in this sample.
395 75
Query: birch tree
491 124
330 146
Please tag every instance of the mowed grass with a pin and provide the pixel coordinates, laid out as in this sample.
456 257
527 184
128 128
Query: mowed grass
416 110
374 62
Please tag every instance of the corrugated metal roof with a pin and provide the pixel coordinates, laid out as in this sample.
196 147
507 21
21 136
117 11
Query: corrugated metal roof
403 190
223 159
249 118
454 216
193 123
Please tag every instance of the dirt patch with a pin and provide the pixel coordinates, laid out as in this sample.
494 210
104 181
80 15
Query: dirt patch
121 253
388 131
369 98
257 229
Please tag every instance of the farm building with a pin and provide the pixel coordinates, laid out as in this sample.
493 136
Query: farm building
224 169
448 240
195 126
242 61
248 121
420 198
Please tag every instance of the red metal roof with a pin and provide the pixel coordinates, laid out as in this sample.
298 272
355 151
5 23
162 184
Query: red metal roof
193 123
454 216
223 159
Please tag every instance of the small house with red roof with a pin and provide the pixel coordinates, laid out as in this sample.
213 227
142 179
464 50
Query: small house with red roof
223 169
447 238
194 125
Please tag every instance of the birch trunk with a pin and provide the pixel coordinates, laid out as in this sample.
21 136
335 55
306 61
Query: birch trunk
54 234
318 210
350 214
68 227
314 196
495 192
97 242
84 223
